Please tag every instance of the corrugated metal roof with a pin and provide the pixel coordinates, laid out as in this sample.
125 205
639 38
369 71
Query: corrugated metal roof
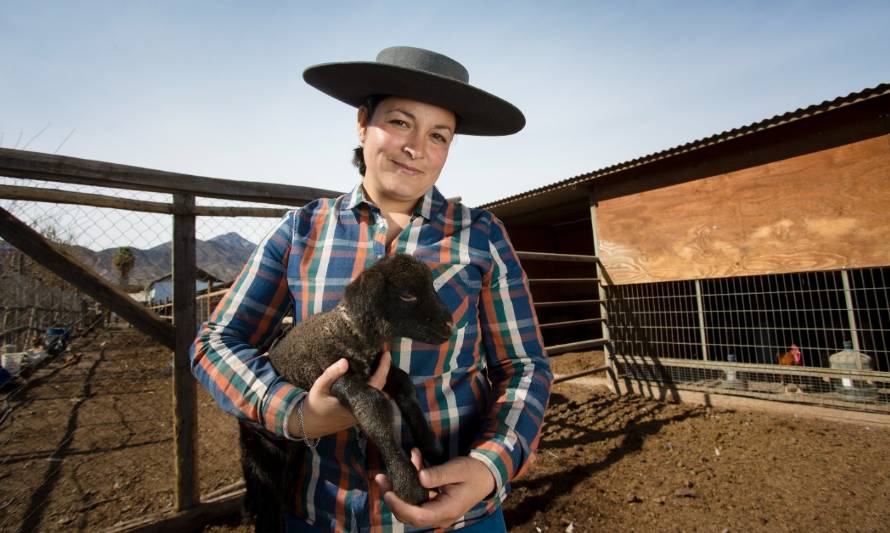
791 116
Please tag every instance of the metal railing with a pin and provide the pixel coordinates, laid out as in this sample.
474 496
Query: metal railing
774 336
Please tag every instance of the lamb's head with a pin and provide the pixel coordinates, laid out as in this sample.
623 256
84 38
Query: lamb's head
397 295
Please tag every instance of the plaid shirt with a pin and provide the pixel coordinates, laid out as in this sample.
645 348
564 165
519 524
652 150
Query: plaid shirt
484 391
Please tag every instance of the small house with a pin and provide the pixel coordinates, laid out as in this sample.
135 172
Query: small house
161 289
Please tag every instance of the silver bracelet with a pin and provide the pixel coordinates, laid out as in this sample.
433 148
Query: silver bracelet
307 440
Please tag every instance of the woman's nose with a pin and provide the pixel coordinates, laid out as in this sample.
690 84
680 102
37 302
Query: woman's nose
413 146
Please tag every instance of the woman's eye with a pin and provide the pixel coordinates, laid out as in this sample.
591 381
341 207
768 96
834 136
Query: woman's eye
399 123
438 137
406 297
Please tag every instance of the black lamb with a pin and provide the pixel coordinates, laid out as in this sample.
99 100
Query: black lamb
393 298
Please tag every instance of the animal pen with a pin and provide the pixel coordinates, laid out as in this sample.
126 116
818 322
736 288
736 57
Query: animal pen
689 268
37 184
750 264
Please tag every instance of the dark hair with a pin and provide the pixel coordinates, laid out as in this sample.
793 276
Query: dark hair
358 154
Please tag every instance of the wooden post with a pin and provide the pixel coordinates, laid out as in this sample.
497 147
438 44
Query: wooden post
32 324
185 406
602 295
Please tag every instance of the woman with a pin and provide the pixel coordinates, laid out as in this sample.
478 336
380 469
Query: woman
484 391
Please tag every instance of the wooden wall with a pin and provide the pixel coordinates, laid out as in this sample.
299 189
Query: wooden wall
819 211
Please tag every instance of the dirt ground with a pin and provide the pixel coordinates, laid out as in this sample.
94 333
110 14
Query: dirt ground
88 444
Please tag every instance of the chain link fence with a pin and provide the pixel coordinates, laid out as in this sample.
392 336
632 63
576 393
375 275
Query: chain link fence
99 415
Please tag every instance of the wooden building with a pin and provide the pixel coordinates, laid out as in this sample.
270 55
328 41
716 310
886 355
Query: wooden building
736 247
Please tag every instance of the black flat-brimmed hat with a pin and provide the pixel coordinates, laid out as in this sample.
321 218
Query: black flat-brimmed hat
422 75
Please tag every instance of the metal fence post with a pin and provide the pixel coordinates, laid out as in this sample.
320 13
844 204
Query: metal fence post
699 303
851 314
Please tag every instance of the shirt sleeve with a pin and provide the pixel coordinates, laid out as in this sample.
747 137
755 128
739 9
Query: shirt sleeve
518 368
225 356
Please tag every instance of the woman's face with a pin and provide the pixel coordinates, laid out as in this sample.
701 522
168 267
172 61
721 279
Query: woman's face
405 145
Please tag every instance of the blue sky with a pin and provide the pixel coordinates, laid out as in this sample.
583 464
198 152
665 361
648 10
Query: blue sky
214 88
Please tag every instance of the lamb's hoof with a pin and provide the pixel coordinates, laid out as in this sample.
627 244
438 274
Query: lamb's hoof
406 485
414 493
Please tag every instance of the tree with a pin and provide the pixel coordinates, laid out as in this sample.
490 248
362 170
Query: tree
123 262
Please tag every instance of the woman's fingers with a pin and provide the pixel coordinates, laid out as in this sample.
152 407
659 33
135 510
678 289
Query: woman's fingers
323 413
322 385
383 482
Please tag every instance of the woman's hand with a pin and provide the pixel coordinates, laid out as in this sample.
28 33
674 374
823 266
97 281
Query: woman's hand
462 482
323 414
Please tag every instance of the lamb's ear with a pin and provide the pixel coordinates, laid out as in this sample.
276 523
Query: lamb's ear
366 290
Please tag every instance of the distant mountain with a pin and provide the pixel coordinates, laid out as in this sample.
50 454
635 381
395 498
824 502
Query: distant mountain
225 255
222 256
234 240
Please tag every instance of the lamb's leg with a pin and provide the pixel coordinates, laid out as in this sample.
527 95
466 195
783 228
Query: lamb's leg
402 391
263 463
374 415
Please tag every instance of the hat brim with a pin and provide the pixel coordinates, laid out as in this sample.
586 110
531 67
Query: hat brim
480 112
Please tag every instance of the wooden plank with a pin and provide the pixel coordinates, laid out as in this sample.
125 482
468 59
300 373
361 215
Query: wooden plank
185 396
825 210
37 194
831 373
605 280
542 256
219 509
71 270
569 323
236 211
574 346
566 377
846 412
36 165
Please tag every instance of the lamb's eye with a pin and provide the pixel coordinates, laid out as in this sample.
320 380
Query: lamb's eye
408 297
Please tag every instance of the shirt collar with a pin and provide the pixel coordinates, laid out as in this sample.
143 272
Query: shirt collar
428 206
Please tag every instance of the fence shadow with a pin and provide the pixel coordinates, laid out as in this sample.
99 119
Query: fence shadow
632 433
620 311
39 498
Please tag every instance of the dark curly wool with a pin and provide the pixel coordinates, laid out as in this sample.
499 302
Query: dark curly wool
393 298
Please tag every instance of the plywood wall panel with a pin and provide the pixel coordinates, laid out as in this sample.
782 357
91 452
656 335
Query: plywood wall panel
820 211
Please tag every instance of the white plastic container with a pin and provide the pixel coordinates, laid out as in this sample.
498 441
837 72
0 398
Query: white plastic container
848 359
12 362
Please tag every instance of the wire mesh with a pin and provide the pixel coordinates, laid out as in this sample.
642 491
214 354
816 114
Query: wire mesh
95 228
93 393
657 318
95 234
761 335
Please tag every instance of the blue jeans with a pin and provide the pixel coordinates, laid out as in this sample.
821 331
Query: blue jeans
493 524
